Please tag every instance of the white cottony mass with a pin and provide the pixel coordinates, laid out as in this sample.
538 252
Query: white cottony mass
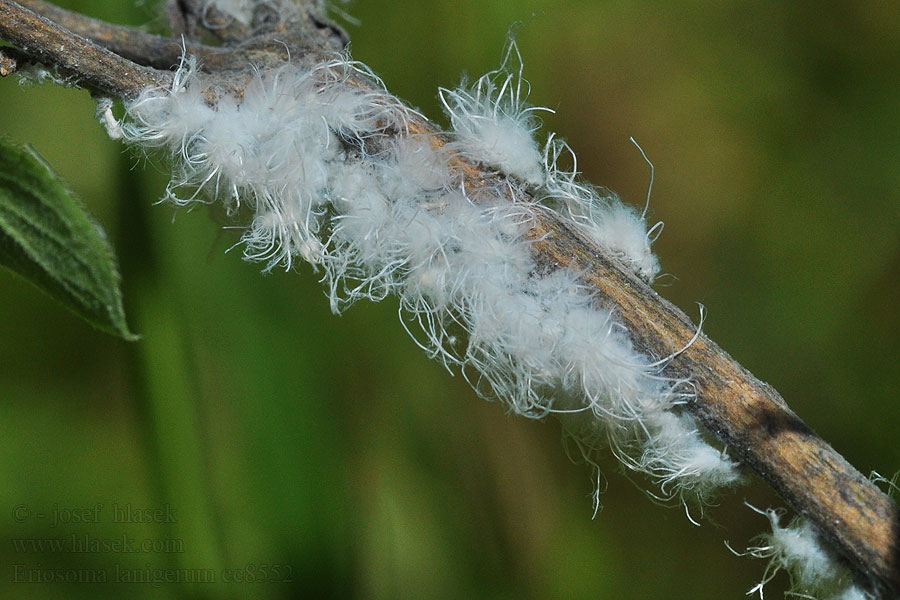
380 214
334 176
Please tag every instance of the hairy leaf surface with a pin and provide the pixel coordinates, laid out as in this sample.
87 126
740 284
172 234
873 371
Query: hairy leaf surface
47 237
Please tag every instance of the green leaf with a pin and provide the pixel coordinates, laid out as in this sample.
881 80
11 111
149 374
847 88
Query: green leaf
48 238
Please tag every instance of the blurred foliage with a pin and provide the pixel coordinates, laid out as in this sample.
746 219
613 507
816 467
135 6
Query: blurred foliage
282 435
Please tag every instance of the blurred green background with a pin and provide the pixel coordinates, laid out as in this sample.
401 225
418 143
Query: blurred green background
278 434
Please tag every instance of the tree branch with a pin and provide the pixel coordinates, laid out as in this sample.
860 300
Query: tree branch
748 416
745 414
135 45
81 61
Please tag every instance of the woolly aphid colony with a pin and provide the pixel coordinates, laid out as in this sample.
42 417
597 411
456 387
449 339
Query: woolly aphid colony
315 157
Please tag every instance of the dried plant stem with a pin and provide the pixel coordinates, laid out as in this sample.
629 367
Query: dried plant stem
80 60
745 414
